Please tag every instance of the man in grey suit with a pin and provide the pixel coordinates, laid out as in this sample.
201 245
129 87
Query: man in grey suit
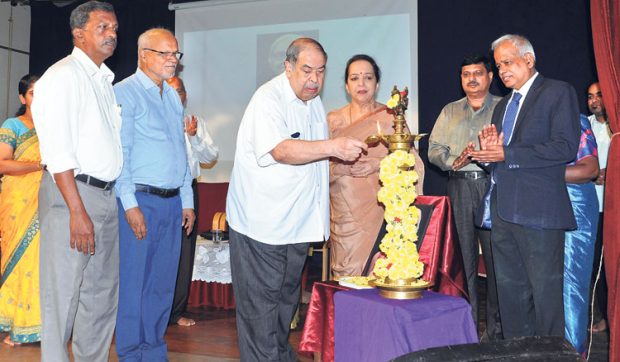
529 205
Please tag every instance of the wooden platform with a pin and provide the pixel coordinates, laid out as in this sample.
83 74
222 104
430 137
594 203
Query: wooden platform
214 339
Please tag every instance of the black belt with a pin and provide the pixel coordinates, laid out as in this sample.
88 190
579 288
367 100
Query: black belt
89 180
165 193
470 175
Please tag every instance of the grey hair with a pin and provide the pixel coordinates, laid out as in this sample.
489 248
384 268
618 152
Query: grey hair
519 41
80 15
299 44
145 37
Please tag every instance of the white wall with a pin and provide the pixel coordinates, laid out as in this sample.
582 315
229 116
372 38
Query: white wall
13 65
233 47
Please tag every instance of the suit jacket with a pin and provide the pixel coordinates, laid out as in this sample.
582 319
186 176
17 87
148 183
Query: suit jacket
530 185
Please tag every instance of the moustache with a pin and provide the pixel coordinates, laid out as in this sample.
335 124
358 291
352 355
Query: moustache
110 41
473 84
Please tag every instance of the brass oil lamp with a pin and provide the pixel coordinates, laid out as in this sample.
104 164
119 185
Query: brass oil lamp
401 139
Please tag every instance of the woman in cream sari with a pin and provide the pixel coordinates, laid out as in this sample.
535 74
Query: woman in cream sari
356 215
19 225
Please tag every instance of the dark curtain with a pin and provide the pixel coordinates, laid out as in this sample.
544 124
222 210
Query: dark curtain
50 35
449 29
606 36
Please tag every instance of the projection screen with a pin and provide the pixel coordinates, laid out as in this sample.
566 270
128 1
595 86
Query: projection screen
232 48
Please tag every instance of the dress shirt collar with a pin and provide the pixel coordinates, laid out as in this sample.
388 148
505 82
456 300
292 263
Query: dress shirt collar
526 87
91 67
148 83
488 102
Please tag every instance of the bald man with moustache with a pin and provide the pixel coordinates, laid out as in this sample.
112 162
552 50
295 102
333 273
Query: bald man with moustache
278 199
154 196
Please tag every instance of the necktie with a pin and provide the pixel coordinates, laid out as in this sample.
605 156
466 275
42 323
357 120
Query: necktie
483 216
510 117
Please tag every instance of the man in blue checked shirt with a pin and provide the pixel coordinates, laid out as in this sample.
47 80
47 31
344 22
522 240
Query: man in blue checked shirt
155 197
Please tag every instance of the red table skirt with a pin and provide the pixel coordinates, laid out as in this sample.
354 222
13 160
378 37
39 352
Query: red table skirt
444 267
203 294
318 333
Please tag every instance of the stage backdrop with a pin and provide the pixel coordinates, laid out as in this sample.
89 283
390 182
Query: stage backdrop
232 49
446 31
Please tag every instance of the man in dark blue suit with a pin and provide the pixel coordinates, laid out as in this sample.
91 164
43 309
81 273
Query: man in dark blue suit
534 133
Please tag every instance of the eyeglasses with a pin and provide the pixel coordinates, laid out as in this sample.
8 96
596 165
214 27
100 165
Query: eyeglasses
176 54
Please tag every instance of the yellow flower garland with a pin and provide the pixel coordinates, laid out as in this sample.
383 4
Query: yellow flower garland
398 194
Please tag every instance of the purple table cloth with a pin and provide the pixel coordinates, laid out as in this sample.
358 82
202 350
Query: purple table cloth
369 327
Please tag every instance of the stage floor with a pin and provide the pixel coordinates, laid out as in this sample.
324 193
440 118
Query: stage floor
213 339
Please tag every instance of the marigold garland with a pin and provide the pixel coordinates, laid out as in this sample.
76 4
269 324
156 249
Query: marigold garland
398 194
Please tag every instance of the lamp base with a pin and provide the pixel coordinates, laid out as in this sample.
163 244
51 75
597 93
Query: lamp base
401 289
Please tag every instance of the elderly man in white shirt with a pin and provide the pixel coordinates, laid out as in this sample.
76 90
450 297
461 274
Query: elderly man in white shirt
78 123
278 199
200 149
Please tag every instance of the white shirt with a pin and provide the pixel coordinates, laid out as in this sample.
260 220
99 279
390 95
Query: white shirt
200 147
524 90
77 119
603 140
271 202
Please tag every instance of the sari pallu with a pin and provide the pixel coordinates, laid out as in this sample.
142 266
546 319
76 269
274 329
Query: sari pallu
579 249
20 313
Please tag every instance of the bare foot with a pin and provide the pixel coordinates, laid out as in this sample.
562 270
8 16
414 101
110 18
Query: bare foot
600 326
8 341
186 322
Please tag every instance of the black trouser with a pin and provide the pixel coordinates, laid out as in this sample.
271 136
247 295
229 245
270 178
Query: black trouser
529 267
465 195
600 294
266 282
186 265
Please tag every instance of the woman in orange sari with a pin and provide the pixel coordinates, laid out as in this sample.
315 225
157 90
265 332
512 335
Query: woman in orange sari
356 215
20 163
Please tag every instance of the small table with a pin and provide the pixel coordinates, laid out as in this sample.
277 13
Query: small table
211 279
369 327
444 266
318 333
212 262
